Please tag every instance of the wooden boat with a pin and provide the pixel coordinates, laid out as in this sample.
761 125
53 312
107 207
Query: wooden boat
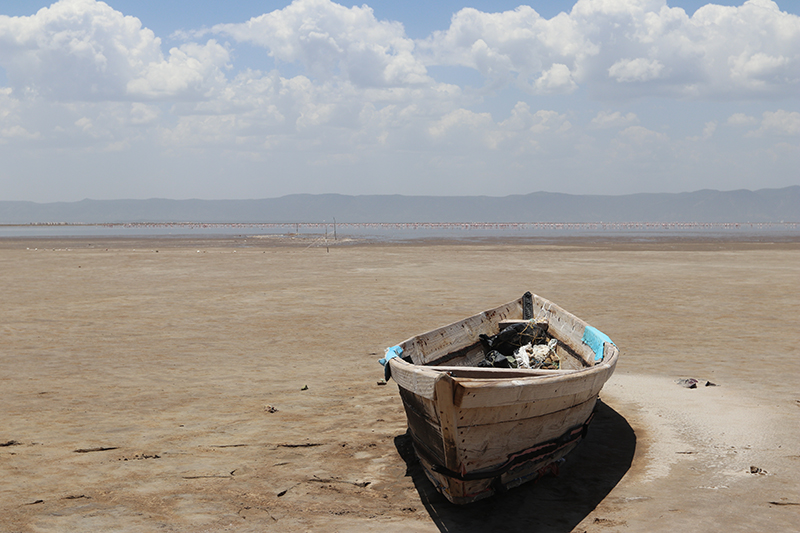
478 431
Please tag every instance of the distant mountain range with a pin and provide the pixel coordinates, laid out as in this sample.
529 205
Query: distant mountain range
764 205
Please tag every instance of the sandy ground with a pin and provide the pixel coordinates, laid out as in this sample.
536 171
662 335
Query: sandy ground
231 384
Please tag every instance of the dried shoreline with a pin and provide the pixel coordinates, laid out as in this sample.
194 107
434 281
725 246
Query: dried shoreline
211 384
619 241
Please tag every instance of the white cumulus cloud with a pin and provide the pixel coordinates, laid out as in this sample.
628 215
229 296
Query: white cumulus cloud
606 120
640 135
460 119
639 69
780 122
85 50
558 79
333 41
520 45
745 51
741 119
708 132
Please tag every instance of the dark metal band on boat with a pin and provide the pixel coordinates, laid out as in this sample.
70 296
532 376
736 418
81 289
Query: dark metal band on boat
527 306
536 452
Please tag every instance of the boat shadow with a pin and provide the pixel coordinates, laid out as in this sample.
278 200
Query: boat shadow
552 503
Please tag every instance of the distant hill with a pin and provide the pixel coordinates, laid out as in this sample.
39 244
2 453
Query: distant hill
765 205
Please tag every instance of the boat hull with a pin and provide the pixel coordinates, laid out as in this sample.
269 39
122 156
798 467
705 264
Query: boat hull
478 431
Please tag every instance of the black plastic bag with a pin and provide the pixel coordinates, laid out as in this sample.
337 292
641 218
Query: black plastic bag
513 337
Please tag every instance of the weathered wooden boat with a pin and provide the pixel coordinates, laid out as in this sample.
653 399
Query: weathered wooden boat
478 431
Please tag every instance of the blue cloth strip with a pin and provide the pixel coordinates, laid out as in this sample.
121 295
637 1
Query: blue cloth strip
391 353
595 339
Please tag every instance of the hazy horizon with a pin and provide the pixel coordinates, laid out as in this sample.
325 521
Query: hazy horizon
442 196
742 206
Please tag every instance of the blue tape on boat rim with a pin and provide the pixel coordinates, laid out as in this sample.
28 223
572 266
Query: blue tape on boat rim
391 353
595 339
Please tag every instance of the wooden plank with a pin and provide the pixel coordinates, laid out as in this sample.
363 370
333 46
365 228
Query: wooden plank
423 423
514 321
490 445
447 420
520 411
442 341
564 326
426 407
529 470
467 356
457 491
570 360
417 379
485 393
572 384
473 372
610 351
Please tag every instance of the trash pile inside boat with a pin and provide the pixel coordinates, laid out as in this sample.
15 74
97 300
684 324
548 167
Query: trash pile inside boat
523 345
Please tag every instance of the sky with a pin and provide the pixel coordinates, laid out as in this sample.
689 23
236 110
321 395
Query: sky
260 99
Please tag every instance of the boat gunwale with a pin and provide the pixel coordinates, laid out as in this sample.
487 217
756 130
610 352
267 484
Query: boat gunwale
520 374
421 378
